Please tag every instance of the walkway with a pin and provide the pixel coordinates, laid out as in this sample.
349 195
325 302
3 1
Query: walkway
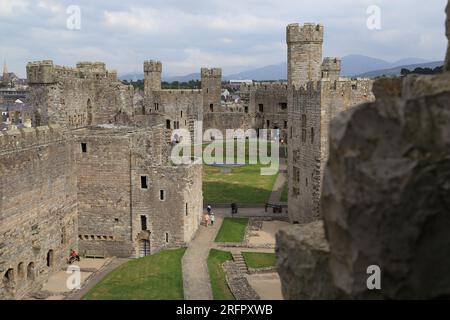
196 283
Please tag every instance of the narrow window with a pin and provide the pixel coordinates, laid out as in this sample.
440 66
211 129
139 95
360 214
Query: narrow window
211 107
261 108
268 124
181 113
161 195
303 121
50 258
187 212
312 135
144 223
246 109
285 124
167 237
167 124
84 147
144 182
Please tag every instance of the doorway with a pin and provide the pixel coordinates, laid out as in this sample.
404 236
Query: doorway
144 248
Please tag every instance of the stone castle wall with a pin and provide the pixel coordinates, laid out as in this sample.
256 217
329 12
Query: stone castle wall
73 184
77 97
38 207
311 108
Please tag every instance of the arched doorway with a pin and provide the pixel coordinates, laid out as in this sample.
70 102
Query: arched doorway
144 248
8 278
30 271
21 270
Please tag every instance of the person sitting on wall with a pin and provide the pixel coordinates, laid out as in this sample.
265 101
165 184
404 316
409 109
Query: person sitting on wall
73 256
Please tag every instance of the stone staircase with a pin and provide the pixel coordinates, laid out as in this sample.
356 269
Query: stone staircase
240 262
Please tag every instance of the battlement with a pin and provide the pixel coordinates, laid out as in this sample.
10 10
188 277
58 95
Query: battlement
261 86
179 91
91 67
309 32
45 72
152 66
211 73
331 64
27 137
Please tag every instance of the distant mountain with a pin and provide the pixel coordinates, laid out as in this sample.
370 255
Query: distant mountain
187 78
272 72
358 64
352 65
396 71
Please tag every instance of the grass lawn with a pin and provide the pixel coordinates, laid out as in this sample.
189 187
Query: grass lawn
238 184
155 277
232 230
284 194
242 185
258 260
217 275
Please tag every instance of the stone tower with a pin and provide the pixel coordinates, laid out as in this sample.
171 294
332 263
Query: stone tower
331 68
152 76
211 89
304 52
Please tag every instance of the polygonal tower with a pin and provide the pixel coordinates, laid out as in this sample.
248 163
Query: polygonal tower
304 53
211 89
152 76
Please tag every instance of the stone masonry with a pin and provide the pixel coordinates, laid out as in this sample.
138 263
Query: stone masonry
91 175
384 202
316 95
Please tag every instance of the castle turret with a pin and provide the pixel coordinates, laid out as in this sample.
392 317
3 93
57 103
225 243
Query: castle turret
40 72
152 75
211 89
304 53
331 68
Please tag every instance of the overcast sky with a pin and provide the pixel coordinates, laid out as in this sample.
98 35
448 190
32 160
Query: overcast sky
233 34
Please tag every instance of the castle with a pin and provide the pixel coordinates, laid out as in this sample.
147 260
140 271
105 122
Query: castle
88 176
93 172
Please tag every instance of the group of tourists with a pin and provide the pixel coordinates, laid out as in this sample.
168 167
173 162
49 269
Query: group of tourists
209 217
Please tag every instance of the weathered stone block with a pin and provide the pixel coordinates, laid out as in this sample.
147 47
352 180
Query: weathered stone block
386 197
303 262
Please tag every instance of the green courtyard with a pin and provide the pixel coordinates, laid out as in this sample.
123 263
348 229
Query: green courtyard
231 183
155 277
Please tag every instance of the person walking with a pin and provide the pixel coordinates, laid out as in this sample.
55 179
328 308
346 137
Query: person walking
213 218
209 209
206 220
234 209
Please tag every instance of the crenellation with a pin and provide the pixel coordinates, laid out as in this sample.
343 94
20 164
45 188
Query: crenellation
17 139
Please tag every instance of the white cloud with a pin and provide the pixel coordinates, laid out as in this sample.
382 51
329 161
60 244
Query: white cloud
135 19
233 34
12 7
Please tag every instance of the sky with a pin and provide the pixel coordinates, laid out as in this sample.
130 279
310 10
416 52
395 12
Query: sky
236 35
